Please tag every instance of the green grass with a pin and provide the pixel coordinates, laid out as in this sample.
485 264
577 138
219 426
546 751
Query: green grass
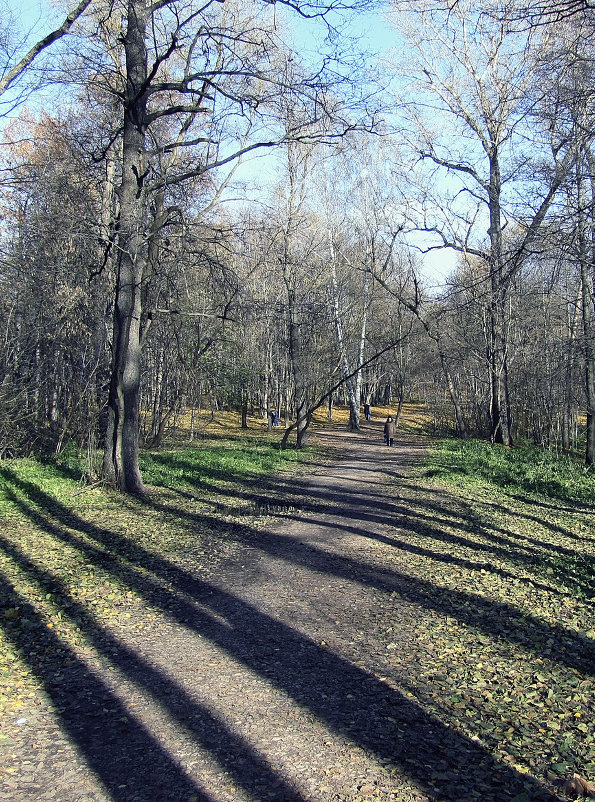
519 475
19 477
523 470
208 467
217 464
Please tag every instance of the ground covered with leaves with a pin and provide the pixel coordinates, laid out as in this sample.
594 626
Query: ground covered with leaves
375 623
510 661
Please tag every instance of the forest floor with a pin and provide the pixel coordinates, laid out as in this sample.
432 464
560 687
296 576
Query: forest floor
351 633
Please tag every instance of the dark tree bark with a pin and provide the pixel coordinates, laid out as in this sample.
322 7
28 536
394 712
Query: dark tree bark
498 346
122 442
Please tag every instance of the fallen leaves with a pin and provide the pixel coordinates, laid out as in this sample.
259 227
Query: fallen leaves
506 682
502 647
577 786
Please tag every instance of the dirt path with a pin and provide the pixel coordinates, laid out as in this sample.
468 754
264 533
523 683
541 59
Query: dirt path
285 677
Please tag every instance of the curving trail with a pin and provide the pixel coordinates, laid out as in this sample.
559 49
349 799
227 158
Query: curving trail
286 675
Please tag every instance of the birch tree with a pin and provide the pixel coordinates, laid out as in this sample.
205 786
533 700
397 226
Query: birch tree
339 246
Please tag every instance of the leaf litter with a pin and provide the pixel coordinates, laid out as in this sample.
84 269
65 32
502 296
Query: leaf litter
519 683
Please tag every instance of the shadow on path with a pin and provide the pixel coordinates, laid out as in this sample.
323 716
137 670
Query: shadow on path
133 764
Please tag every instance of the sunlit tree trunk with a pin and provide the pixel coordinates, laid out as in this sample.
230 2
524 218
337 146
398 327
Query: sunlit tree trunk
350 386
362 341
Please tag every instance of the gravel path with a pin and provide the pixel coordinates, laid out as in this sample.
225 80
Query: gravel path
284 677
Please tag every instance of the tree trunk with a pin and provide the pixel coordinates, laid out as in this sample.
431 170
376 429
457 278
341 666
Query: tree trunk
454 396
297 358
362 342
500 408
350 388
157 438
122 441
588 310
303 421
400 401
590 379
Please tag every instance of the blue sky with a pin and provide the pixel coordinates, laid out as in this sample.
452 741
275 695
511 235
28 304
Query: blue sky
33 13
38 17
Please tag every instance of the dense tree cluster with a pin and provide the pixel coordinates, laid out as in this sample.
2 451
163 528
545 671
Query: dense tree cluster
143 276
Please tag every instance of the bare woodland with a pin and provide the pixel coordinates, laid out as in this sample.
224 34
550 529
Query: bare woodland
230 204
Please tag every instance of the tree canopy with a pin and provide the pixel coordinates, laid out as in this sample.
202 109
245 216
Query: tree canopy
232 205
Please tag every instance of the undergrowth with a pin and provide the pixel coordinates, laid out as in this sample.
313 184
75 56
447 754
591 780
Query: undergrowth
533 471
522 475
209 467
217 464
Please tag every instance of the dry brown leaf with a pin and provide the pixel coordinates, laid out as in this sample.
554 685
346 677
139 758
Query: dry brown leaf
577 786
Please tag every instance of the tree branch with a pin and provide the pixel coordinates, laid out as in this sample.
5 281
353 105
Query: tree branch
10 77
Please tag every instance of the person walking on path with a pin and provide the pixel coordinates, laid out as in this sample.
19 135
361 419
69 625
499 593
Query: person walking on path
389 431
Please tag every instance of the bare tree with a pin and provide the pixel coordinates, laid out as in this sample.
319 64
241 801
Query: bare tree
571 100
477 77
13 73
586 250
199 87
536 14
347 256
54 318
521 14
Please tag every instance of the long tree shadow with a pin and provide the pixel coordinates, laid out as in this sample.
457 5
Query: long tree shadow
205 476
431 533
346 698
563 566
91 700
494 618
429 519
386 511
498 619
122 752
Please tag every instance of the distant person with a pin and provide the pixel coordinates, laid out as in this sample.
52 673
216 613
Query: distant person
367 412
275 417
389 431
